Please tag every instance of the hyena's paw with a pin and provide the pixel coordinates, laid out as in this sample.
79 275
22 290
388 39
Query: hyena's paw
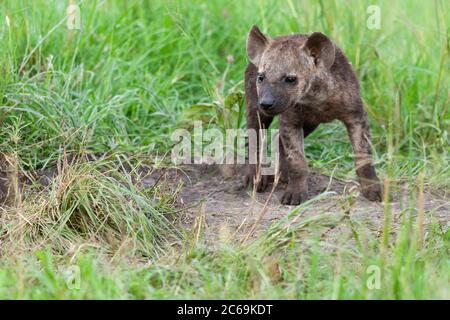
284 176
372 191
249 179
294 198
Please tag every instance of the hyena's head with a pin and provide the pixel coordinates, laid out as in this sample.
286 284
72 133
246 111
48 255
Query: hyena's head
290 69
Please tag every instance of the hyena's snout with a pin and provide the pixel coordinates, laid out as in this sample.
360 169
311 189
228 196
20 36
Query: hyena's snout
266 100
266 104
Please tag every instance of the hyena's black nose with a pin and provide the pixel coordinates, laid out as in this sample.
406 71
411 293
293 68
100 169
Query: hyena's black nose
266 104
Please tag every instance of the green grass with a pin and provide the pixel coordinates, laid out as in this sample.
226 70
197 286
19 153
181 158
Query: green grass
117 89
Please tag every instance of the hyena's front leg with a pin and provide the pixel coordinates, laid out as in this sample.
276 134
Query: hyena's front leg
292 140
359 133
256 121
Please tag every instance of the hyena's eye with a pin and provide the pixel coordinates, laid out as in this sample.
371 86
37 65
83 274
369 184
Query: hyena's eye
290 79
260 78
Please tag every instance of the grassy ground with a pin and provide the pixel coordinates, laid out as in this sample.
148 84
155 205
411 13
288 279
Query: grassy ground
100 103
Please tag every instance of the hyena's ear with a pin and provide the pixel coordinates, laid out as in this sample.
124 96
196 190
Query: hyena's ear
321 49
257 42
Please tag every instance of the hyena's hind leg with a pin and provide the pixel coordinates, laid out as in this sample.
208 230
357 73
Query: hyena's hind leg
359 133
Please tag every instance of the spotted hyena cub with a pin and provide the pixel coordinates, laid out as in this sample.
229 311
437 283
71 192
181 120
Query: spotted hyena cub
306 80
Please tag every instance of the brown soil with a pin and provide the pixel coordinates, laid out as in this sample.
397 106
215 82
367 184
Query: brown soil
224 211
228 212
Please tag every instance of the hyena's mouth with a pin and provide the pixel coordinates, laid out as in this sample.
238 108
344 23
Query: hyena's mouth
278 110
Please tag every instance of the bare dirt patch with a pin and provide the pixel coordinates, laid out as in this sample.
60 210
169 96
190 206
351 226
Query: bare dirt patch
227 211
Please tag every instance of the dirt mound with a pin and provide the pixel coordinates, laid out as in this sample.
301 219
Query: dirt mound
224 211
228 212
